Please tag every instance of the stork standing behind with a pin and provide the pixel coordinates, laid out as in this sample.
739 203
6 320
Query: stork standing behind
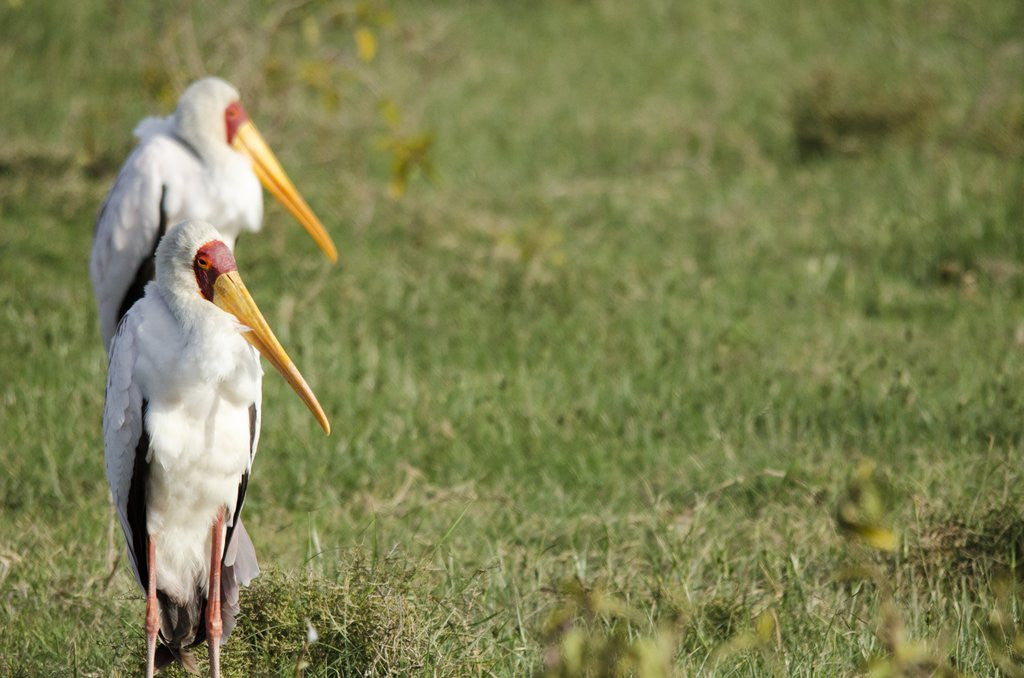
181 425
206 161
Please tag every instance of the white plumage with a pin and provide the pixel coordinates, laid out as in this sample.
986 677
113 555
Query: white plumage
198 387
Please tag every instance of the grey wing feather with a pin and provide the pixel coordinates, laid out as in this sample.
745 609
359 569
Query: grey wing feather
254 441
126 227
239 551
123 425
240 566
239 569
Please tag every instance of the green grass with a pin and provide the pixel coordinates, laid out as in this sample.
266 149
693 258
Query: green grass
633 335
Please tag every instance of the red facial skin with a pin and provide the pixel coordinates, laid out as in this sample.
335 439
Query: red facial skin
210 261
234 117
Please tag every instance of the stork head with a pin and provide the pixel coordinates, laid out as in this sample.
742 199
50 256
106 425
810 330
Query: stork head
197 274
210 117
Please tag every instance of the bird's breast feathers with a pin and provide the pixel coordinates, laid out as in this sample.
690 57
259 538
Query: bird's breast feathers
199 385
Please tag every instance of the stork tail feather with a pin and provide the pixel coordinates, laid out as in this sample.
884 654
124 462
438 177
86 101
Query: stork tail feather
165 657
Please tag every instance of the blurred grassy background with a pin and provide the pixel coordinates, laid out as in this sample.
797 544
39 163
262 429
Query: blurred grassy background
675 268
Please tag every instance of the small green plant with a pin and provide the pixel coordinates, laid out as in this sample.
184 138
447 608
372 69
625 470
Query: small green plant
593 633
410 152
763 637
1004 631
904 657
863 517
863 509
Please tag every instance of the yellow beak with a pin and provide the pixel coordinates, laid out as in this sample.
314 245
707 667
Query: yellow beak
230 294
249 141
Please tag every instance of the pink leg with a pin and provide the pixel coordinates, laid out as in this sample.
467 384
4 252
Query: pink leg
214 626
152 612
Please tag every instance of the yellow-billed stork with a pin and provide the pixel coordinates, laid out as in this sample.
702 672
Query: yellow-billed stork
181 425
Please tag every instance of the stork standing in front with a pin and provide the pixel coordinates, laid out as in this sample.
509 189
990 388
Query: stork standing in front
181 425
206 161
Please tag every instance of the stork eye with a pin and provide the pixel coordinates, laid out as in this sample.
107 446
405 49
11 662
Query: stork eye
203 263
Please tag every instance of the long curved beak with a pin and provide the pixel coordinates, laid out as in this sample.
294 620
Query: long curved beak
249 141
230 294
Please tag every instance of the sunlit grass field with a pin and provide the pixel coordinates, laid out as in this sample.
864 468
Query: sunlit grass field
600 376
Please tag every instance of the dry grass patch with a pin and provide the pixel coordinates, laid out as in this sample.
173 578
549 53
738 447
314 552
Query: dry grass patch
836 113
955 548
372 620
